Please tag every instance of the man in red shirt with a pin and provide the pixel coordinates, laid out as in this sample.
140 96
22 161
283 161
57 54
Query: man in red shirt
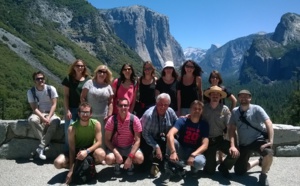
124 141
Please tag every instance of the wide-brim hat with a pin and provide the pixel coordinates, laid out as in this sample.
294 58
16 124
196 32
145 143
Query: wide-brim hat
215 89
169 64
244 92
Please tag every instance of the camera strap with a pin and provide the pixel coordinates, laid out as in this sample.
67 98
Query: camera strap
244 120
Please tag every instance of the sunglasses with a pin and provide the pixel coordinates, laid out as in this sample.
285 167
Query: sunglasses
147 69
189 66
122 105
126 69
85 113
40 79
79 66
168 68
214 77
101 71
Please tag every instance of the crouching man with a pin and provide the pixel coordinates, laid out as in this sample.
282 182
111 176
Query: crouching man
122 138
84 137
247 120
193 138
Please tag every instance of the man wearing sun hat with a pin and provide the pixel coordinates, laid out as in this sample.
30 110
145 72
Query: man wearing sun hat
217 115
248 120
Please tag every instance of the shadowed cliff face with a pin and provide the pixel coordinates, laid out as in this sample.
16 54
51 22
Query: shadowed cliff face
275 58
146 32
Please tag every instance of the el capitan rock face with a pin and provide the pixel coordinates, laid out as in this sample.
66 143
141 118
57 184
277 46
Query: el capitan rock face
146 32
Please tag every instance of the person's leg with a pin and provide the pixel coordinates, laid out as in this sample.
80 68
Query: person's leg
210 155
62 161
54 123
242 166
99 155
267 156
36 125
229 161
101 120
67 124
138 157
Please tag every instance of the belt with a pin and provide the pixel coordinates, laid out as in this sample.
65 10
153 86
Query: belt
213 139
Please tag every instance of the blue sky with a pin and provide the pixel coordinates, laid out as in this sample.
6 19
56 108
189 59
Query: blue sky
200 23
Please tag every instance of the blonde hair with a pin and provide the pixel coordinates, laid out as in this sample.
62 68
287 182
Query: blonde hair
108 78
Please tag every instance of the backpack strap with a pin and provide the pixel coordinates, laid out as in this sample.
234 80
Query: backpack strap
49 91
36 99
33 92
118 86
116 125
131 124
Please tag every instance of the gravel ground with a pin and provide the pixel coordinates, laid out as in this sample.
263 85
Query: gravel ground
284 172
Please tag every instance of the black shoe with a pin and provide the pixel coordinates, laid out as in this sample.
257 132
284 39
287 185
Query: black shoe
263 181
224 171
165 178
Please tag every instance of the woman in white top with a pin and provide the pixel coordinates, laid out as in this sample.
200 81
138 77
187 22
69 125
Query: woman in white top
99 94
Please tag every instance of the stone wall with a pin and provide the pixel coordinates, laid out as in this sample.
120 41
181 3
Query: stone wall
17 140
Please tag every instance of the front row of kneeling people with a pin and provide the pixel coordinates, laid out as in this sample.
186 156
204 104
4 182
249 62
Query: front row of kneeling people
200 136
194 138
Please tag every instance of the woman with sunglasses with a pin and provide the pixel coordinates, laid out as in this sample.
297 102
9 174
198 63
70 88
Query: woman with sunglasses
215 79
125 87
190 85
168 83
72 85
99 94
146 90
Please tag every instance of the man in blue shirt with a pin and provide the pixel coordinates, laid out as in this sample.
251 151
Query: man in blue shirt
193 138
156 122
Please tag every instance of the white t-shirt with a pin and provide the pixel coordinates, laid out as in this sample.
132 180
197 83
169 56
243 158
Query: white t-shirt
45 102
97 97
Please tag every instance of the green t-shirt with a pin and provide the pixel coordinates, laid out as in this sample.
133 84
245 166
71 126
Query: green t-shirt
84 135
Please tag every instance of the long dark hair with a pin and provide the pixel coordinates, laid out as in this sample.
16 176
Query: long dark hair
132 76
197 70
174 73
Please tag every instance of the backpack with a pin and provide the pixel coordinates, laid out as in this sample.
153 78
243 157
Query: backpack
84 170
116 125
34 93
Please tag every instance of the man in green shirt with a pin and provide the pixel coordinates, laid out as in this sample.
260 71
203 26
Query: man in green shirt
84 137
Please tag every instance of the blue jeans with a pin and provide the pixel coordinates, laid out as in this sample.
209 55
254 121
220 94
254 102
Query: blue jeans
74 112
185 152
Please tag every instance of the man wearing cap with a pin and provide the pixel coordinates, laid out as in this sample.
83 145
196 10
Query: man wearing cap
247 120
217 115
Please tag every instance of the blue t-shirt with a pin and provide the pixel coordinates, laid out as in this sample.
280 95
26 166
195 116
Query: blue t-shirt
191 134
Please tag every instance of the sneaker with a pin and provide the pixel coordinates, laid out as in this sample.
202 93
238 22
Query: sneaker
154 169
117 169
165 178
263 181
40 152
224 171
130 170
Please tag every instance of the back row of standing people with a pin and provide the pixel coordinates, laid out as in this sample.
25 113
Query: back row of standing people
102 92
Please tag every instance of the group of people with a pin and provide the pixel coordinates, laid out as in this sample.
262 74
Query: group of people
146 120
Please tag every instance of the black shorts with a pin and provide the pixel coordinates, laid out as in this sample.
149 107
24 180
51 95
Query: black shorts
246 152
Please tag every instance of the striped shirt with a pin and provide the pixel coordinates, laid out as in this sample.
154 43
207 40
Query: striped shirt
123 137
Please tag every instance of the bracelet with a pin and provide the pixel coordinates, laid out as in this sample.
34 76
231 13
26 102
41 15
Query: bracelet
130 155
193 156
87 151
173 152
